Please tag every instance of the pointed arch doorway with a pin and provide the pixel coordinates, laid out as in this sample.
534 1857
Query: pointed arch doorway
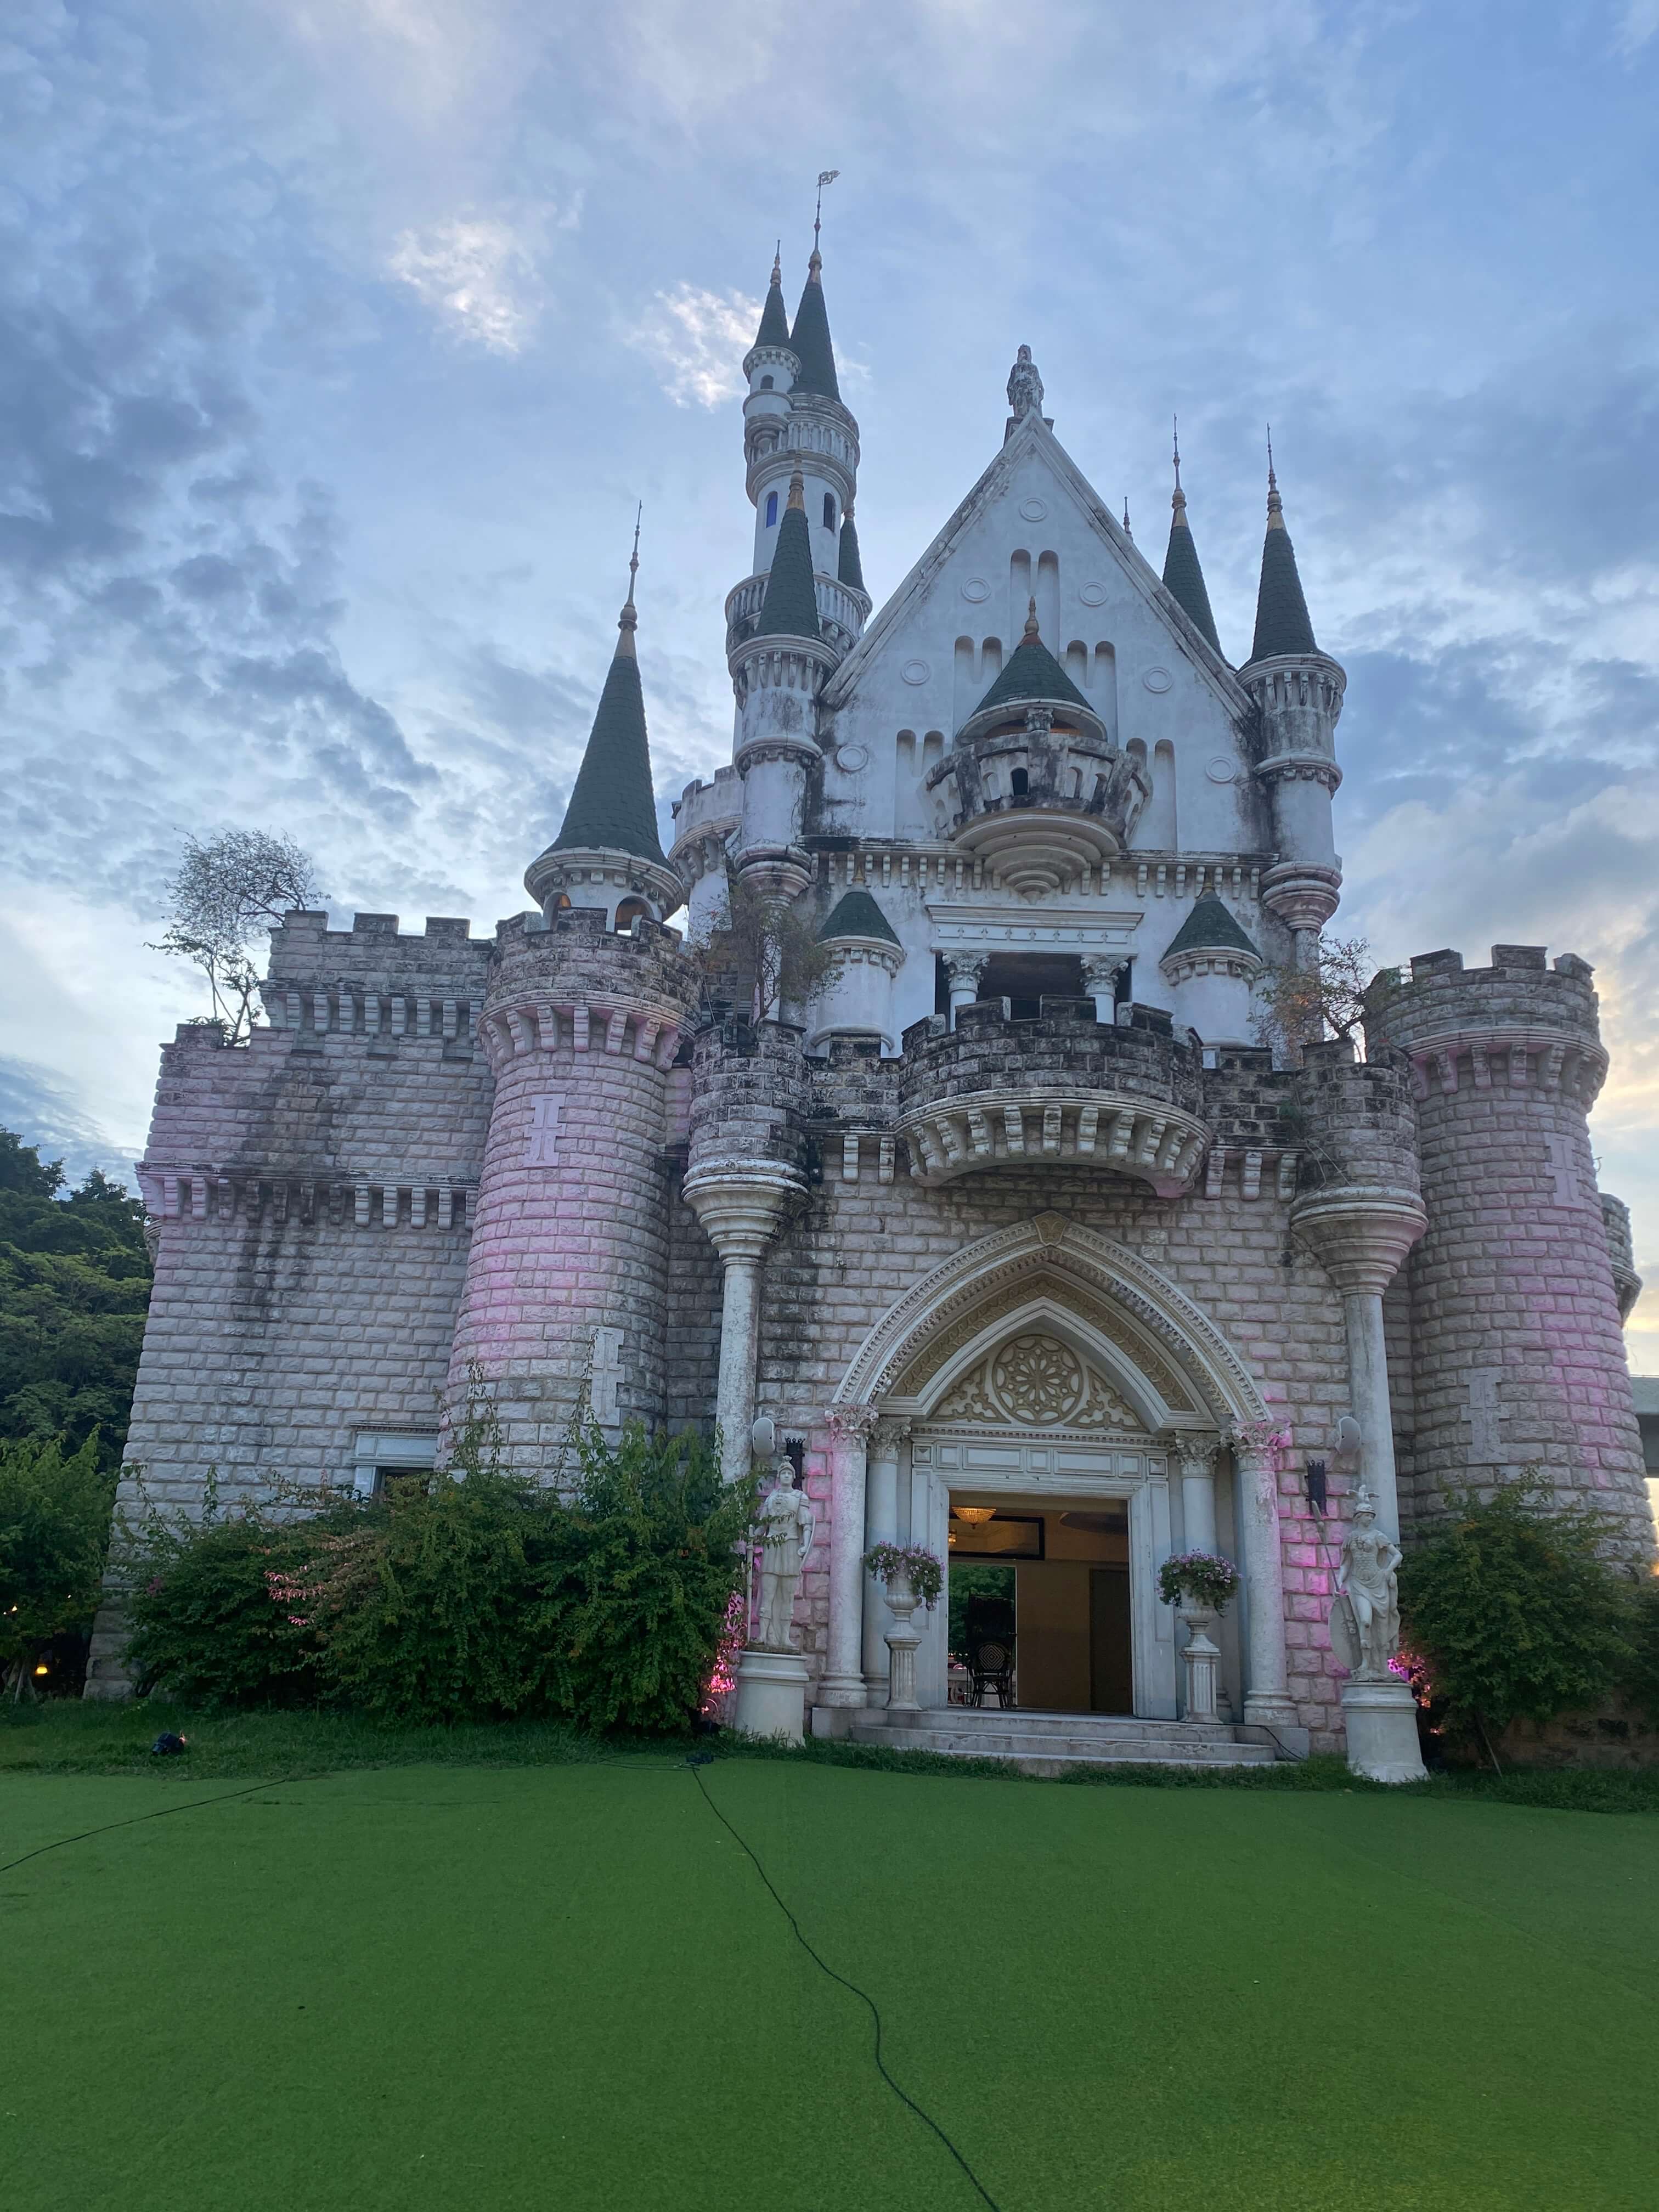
1053 1377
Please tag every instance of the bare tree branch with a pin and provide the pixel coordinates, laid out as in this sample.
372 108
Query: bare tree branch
226 893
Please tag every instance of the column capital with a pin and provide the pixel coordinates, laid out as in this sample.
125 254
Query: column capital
964 967
1360 1233
852 1423
887 1435
1195 1451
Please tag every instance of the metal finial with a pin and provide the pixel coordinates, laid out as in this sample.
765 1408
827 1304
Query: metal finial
628 618
1275 505
1273 481
1128 532
825 177
1176 424
777 262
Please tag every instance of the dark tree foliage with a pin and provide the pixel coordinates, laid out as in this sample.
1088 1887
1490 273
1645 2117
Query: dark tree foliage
54 1526
75 1281
1640 1677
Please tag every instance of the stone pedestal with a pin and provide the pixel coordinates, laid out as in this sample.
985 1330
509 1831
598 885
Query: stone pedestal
1201 1659
1381 1718
771 1694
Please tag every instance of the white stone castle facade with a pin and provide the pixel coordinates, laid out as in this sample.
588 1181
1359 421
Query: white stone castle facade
1016 1211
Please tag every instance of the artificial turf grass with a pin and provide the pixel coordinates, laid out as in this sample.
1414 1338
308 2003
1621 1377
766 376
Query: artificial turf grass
71 1736
566 1987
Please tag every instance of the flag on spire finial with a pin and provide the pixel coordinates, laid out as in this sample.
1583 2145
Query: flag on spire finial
825 177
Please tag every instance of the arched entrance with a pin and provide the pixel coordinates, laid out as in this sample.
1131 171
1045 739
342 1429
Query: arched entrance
1055 1378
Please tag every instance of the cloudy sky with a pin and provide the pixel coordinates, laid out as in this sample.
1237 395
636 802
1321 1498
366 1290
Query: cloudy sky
338 337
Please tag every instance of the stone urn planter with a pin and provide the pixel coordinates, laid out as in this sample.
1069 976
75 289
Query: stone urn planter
913 1576
1198 1584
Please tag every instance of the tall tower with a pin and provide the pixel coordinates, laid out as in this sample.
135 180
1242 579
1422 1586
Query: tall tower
1518 1353
1298 690
566 1276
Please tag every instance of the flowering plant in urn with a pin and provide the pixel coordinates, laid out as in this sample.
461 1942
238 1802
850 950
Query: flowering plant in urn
909 1562
1204 1576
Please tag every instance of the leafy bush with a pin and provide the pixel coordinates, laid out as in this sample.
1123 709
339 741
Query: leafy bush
214 1604
1640 1678
636 1575
54 1528
469 1593
1511 1608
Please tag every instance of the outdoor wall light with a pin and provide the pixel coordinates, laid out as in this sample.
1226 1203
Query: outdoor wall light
975 1515
1317 1491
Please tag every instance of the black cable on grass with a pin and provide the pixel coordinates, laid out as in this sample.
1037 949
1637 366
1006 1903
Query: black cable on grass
696 1763
161 1813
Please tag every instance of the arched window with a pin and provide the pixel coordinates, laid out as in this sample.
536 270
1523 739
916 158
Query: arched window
766 384
771 509
1019 783
628 913
829 510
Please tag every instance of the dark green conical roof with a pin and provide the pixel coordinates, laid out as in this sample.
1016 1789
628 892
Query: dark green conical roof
857 915
809 339
1031 672
850 569
775 317
1183 578
612 808
1281 612
1208 928
790 608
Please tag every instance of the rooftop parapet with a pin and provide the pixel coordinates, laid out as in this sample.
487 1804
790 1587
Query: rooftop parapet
1523 1020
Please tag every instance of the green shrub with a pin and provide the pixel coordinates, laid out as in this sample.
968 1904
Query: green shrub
1639 1679
54 1529
1511 1608
635 1577
470 1594
219 1608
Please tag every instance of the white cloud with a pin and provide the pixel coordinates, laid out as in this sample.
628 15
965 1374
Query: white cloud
480 274
1639 21
697 340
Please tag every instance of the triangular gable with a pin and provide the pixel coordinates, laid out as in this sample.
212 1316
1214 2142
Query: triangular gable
1030 431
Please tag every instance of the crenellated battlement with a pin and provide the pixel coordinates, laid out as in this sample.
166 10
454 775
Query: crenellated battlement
1521 1024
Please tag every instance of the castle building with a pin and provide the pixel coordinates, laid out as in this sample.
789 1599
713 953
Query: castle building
1014 1212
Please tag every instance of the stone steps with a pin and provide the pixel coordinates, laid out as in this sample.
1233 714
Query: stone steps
1048 1743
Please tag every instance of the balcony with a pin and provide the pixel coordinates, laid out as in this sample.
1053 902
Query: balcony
1039 802
843 613
1066 1089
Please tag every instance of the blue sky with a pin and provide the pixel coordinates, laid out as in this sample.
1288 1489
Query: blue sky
338 337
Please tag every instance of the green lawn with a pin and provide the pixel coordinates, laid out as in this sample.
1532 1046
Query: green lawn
564 1986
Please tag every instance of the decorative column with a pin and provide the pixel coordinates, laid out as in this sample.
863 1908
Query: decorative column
1196 1455
1361 1235
1100 974
881 1526
963 971
841 1684
1267 1692
740 1208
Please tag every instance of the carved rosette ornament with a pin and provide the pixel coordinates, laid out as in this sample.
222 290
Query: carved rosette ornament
852 1423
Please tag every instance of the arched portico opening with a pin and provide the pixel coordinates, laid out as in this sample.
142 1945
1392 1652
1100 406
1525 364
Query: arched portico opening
1058 1377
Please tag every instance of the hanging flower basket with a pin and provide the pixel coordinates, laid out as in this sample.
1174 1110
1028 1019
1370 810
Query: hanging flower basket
1204 1576
911 1563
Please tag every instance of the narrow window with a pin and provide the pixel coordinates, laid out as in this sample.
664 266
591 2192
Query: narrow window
1019 783
766 384
771 509
829 510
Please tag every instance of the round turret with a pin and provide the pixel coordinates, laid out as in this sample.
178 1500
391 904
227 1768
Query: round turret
1518 1356
567 1274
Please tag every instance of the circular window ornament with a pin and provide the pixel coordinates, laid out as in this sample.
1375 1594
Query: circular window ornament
977 589
852 758
1157 679
1034 510
1093 595
915 671
1221 769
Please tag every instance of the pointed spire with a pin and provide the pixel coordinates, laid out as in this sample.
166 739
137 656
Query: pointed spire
790 608
1031 673
810 338
850 569
612 808
1183 578
1281 611
774 316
